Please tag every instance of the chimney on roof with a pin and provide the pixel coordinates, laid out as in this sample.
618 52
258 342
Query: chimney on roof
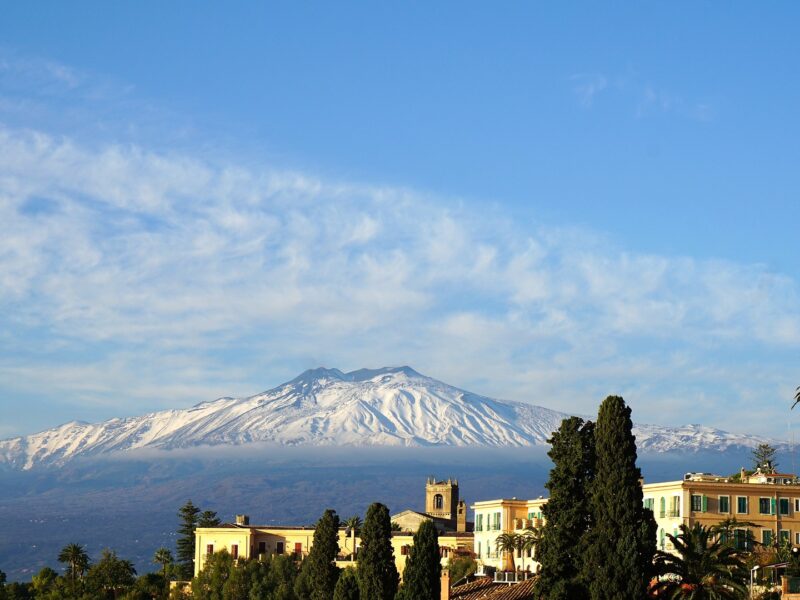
445 594
242 520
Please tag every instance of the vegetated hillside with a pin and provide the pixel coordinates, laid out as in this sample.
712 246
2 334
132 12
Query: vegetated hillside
368 407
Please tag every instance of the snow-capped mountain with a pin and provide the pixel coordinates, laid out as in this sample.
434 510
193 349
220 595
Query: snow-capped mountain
368 407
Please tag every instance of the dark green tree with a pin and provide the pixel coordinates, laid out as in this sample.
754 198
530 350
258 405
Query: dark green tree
461 567
209 583
281 577
110 576
149 586
16 590
422 575
320 564
377 573
567 514
189 515
208 518
764 457
702 567
619 555
347 586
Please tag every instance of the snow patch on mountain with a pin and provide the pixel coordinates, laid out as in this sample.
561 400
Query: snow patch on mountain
367 407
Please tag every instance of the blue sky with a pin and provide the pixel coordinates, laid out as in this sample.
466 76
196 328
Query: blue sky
540 203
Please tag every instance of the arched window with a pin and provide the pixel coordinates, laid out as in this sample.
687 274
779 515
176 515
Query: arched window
661 538
438 502
663 507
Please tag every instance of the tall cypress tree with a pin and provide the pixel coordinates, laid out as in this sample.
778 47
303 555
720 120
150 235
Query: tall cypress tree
619 555
321 568
422 575
188 514
562 548
377 573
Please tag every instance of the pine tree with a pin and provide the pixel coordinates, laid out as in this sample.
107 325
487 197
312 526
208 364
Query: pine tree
422 576
619 557
188 514
377 573
320 563
208 518
347 586
567 512
764 456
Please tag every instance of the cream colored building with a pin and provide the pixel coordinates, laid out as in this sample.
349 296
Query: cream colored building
495 517
245 541
769 500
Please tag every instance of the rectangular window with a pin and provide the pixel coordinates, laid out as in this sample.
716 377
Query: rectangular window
783 506
743 539
649 503
496 521
766 537
279 548
298 548
741 505
262 548
797 505
675 507
784 536
234 551
764 507
697 503
797 538
210 549
479 523
724 504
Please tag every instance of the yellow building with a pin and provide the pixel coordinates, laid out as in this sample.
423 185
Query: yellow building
244 541
769 500
495 517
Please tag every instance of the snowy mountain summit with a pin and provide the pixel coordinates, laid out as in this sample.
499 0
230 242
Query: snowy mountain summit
367 407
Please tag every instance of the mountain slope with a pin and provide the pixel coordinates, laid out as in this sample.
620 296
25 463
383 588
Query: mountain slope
380 407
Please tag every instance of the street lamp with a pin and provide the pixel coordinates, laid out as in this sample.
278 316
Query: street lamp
752 577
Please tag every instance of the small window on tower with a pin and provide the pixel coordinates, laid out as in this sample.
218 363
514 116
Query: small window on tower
438 502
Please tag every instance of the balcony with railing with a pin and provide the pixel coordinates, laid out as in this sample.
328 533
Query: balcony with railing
511 576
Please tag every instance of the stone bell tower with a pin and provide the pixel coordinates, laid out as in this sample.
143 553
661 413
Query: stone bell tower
441 499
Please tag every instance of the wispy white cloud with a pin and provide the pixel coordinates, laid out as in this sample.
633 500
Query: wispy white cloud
587 86
646 99
163 275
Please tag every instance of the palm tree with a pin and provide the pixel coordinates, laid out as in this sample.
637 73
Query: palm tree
725 531
530 541
508 543
702 568
353 525
77 560
163 557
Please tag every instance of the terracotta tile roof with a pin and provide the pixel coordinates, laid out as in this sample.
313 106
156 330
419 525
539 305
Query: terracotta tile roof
473 590
486 589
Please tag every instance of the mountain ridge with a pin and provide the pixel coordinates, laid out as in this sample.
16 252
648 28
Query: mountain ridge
389 406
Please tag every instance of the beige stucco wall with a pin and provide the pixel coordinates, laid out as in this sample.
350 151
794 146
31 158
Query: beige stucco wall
248 538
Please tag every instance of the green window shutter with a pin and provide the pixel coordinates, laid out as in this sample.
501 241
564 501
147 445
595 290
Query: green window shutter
705 503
